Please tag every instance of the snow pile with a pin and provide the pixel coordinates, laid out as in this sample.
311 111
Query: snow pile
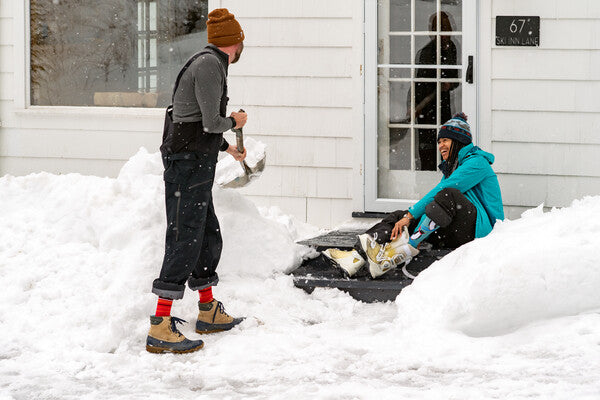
513 315
540 266
73 247
228 168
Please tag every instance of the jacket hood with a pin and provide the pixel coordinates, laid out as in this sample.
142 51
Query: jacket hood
464 153
471 150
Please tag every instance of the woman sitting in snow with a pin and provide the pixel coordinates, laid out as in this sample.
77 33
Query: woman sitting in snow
463 206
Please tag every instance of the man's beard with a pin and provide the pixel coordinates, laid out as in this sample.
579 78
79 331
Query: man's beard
238 53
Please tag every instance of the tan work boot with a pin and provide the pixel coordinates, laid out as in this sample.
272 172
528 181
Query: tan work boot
165 337
349 261
213 318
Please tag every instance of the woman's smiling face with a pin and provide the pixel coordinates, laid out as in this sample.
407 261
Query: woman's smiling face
444 145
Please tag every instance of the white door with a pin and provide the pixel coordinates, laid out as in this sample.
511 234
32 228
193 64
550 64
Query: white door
420 69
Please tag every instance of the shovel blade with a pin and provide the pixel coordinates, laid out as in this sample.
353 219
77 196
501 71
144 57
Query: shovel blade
259 167
250 174
238 182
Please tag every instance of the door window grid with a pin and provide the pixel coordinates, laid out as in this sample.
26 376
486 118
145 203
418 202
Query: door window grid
384 70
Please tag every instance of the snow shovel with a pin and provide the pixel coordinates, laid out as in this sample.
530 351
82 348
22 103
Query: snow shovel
249 173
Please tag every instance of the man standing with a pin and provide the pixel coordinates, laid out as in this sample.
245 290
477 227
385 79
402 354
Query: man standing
193 239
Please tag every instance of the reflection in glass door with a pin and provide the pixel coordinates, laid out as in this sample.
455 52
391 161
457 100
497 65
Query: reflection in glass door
415 51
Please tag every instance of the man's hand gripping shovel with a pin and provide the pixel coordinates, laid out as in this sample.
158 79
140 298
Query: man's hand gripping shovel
250 173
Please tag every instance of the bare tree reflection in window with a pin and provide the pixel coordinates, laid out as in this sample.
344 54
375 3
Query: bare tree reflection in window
86 52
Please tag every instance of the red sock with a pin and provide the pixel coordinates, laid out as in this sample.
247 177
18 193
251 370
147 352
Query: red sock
163 307
206 295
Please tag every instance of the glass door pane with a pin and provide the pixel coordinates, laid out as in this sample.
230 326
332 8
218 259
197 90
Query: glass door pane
419 86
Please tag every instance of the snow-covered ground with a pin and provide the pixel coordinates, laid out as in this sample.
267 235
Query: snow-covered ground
514 315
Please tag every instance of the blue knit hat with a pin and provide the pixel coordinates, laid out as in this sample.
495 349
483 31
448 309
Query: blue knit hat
456 128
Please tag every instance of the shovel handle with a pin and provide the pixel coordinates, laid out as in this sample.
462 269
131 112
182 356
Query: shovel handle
239 137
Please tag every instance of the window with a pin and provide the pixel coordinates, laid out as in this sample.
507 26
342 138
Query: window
120 53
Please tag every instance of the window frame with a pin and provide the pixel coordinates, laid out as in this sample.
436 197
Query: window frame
22 83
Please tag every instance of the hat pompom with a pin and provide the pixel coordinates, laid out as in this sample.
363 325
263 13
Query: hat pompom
460 115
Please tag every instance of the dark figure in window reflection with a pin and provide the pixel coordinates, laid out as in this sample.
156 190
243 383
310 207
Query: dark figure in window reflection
426 92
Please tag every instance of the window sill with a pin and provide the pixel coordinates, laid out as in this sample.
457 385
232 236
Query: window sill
69 111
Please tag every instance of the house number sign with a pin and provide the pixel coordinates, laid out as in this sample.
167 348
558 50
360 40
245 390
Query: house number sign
517 31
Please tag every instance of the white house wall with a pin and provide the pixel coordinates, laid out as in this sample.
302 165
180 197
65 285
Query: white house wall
299 80
545 113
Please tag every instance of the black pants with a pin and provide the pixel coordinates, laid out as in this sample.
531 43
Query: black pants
450 209
193 241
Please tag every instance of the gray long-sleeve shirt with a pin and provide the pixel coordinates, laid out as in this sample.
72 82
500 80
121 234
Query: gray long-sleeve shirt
198 96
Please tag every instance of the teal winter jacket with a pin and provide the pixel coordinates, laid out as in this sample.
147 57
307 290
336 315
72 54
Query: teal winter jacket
476 179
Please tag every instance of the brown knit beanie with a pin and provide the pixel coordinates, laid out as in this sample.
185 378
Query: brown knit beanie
222 28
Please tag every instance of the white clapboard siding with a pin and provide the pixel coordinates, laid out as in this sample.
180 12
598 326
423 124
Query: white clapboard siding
334 183
570 34
281 8
547 159
546 127
6 58
79 119
292 91
316 211
6 85
532 190
322 152
82 144
327 212
522 63
577 9
287 61
540 95
6 8
6 109
295 206
26 165
573 9
297 121
298 32
296 181
6 31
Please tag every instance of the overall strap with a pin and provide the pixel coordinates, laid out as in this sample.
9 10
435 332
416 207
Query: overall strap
185 67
